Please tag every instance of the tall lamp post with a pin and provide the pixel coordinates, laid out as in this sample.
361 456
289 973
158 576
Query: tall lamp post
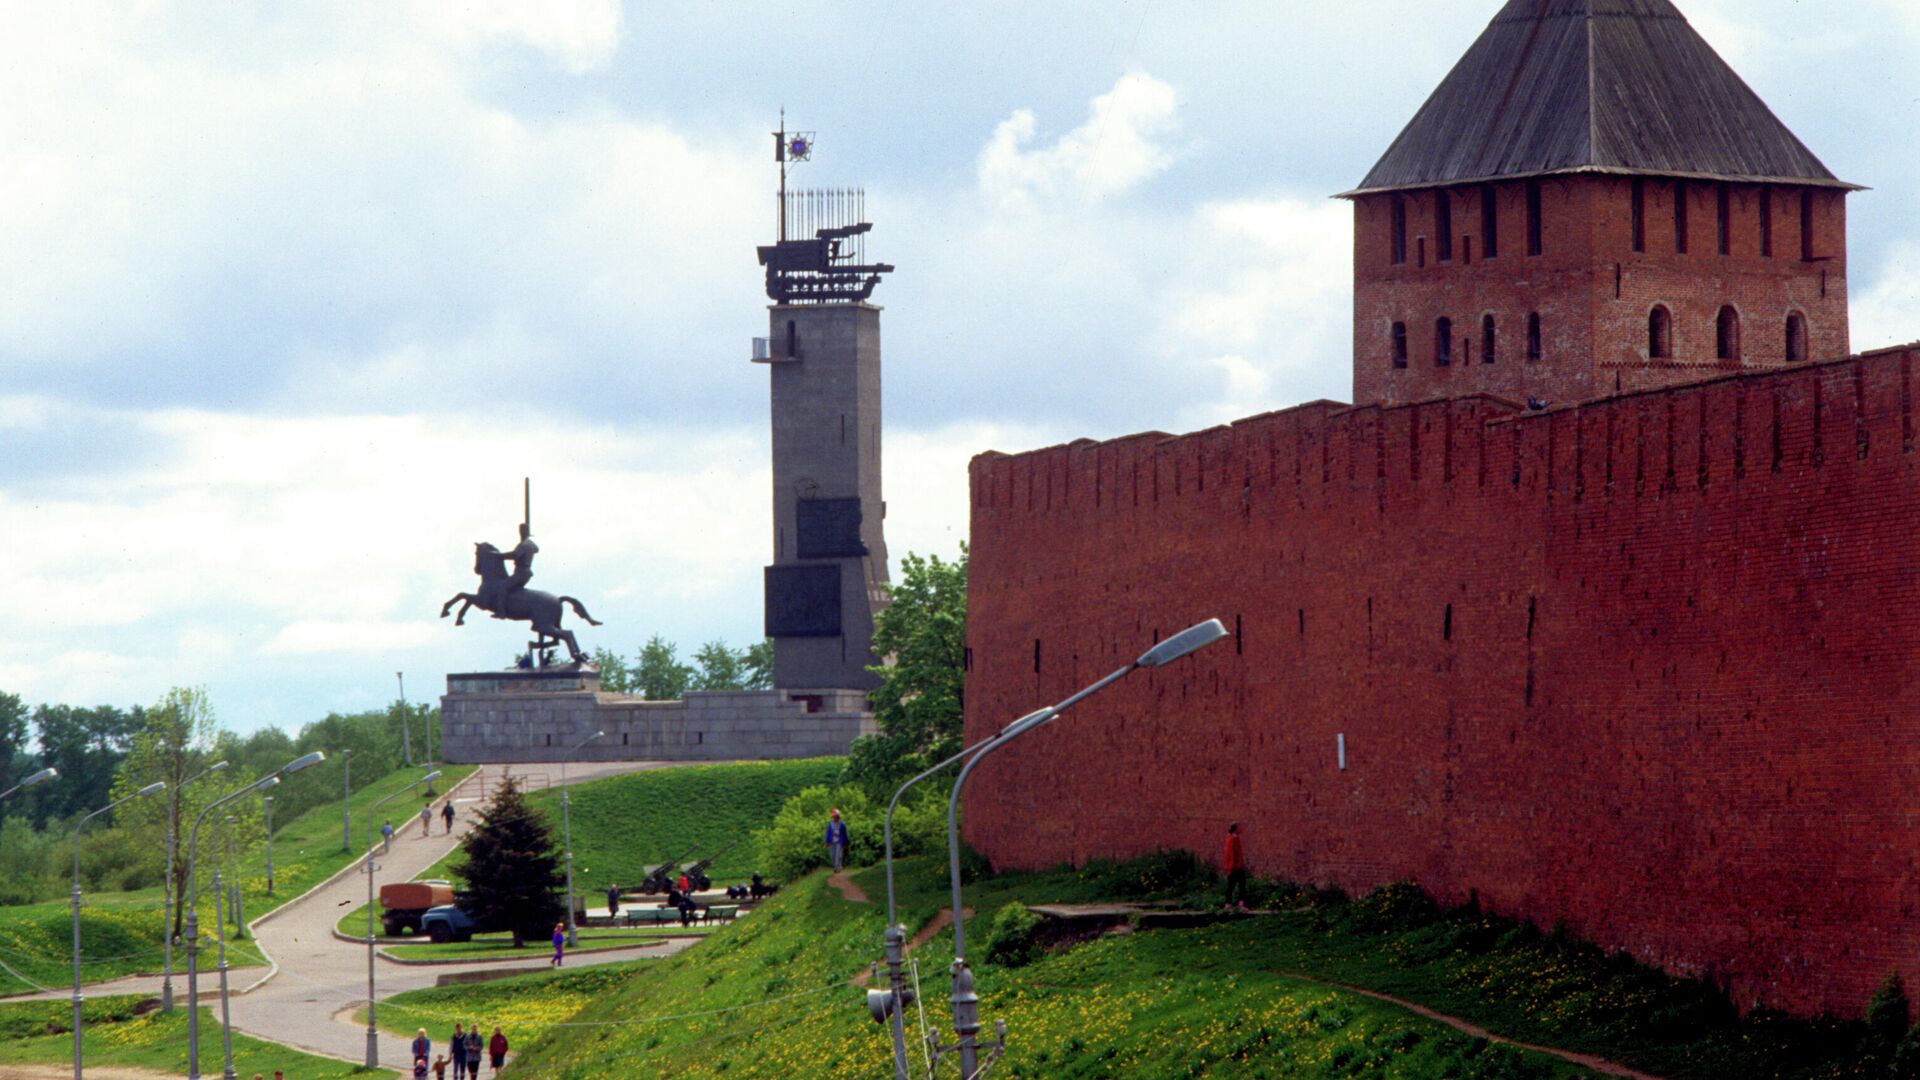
193 920
406 729
566 826
966 1004
172 901
269 801
150 789
346 799
373 1032
35 780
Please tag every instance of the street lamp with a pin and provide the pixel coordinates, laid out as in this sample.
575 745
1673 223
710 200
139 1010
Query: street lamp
173 825
373 1033
150 789
193 921
269 804
566 825
966 1004
38 778
406 729
346 797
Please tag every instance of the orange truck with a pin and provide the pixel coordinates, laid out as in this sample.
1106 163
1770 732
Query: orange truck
404 902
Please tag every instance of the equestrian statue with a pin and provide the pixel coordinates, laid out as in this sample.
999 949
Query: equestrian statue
506 596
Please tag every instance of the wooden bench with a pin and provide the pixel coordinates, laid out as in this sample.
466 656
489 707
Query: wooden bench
650 916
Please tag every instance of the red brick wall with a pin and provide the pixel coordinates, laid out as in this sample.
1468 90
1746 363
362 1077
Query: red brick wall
1647 666
1594 292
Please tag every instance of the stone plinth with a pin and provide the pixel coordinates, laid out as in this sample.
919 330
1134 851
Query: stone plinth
496 716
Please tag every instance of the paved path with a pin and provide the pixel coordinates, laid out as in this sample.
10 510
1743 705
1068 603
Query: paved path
317 977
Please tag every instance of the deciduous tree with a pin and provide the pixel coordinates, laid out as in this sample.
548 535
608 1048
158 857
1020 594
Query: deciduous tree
922 634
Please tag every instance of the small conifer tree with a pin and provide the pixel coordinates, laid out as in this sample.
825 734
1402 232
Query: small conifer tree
512 871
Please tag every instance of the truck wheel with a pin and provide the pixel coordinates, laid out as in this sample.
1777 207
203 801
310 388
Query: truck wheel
440 933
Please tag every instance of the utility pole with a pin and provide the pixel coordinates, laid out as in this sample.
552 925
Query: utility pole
346 798
406 731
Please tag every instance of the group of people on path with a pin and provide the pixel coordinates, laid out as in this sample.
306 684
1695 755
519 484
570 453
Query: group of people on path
465 1052
426 824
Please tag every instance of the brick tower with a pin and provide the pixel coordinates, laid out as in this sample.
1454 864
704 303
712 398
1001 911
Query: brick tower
1592 202
829 571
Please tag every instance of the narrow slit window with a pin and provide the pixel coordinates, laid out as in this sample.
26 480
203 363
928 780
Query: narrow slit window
1533 338
1727 334
793 339
1489 222
1536 229
1488 339
1727 220
1660 334
1399 214
1442 226
1766 222
1639 214
1680 217
1399 344
1796 338
1806 224
1443 343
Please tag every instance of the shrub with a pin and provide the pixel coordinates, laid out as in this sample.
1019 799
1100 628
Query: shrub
1887 1018
795 844
1149 875
1013 939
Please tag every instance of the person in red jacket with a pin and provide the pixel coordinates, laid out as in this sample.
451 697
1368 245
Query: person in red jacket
497 1049
1234 863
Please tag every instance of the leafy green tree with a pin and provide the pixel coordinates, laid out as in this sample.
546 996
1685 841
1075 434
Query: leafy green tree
86 745
757 664
616 675
919 703
13 736
512 869
716 666
176 741
660 676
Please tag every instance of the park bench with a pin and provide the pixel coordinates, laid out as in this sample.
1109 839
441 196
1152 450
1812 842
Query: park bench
650 916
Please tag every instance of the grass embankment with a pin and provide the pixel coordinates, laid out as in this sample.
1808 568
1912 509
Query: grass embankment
624 824
122 934
770 997
42 1032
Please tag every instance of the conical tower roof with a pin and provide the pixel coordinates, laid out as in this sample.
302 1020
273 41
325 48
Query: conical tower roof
1613 86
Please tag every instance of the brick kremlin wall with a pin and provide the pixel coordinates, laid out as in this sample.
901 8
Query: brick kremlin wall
1644 666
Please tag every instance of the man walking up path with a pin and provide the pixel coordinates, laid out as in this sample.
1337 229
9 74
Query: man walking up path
836 839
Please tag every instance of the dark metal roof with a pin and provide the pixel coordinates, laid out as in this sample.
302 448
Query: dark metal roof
1620 86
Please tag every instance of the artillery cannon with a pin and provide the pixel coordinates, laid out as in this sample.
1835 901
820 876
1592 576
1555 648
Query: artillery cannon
660 877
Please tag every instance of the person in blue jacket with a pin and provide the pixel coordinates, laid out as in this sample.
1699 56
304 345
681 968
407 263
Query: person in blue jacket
836 839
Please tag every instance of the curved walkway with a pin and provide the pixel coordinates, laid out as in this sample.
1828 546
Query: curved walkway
314 977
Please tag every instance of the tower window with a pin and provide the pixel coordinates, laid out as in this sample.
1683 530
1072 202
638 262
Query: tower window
1806 223
1639 214
1400 344
1442 226
1443 343
1727 220
1680 216
1766 222
1488 340
1796 337
793 340
1535 227
1660 334
1399 214
1489 222
1727 334
1533 337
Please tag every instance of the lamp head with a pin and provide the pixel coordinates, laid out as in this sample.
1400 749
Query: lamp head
304 762
265 782
599 734
216 767
430 777
40 777
1028 722
153 789
1193 637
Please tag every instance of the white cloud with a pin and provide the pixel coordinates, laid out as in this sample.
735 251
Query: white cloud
581 34
307 636
1118 147
1885 312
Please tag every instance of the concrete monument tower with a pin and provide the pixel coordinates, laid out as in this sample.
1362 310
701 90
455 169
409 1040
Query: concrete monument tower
829 570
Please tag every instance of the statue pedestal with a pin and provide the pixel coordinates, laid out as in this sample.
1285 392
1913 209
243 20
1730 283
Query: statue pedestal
538 715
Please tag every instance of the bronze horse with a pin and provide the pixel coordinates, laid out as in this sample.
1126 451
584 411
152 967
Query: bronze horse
542 609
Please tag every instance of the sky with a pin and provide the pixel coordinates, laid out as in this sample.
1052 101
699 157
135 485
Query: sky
293 295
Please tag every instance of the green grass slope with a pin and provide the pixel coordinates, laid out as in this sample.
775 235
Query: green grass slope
42 1032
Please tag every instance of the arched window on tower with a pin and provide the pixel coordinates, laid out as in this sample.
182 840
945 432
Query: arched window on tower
1443 343
1399 344
1488 340
1797 351
1727 334
1533 338
1660 333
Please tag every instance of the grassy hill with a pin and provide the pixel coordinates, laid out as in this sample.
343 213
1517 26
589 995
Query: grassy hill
42 1032
122 934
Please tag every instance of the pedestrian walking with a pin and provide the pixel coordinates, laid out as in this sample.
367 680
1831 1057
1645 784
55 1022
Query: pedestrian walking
836 839
473 1050
440 1067
446 815
386 835
1234 862
422 1046
613 901
457 1047
497 1050
426 822
559 942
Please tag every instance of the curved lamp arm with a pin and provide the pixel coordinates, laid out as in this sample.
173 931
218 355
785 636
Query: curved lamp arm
151 789
40 777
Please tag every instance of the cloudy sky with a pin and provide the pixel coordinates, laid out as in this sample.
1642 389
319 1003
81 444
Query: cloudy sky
292 295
